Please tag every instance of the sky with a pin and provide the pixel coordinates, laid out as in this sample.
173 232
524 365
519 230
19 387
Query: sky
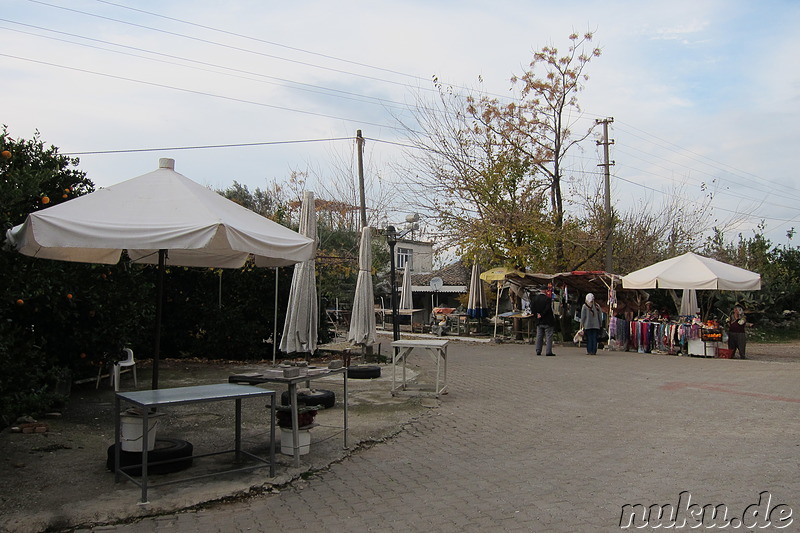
705 94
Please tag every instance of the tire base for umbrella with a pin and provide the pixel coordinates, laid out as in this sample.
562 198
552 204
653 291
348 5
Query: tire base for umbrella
364 372
321 397
165 449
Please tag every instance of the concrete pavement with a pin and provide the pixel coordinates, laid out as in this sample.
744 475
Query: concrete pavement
527 443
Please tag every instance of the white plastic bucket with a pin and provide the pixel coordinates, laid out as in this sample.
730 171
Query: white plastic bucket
132 431
287 441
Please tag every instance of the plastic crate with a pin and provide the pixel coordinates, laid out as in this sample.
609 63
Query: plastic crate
724 353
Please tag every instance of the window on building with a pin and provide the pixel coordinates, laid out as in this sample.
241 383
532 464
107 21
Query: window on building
404 256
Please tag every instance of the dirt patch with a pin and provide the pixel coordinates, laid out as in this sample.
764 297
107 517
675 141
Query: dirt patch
58 480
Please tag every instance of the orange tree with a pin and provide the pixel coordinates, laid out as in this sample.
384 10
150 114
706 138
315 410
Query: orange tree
58 320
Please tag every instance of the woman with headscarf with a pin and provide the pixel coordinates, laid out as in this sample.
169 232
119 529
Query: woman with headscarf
591 322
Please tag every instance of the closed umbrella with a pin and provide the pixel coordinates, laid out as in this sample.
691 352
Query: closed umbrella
161 217
476 306
302 313
405 290
362 321
689 305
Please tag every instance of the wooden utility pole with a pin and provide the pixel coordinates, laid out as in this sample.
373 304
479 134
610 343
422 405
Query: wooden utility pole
360 145
606 142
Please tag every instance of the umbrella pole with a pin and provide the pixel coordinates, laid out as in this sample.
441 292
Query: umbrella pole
275 321
497 307
162 255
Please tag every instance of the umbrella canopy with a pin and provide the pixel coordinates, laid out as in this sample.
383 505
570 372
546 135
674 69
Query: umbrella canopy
161 210
689 305
302 314
692 271
362 320
406 300
476 306
500 274
159 217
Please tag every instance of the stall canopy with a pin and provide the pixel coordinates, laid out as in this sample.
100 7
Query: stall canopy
692 271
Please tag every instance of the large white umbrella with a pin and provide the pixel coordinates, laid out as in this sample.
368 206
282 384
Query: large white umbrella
161 217
406 300
692 271
476 306
362 320
302 314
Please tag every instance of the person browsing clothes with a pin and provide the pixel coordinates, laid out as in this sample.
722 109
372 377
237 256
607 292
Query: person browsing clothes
591 323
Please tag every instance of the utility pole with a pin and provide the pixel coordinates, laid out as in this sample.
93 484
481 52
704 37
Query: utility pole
360 145
606 142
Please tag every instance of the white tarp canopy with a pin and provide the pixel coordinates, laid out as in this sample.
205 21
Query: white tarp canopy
692 271
161 210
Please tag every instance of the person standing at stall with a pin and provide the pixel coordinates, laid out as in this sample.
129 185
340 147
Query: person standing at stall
591 322
545 323
737 338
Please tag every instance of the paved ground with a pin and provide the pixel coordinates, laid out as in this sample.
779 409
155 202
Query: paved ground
526 443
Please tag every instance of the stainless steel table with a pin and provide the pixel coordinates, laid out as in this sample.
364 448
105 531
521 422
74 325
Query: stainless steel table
436 348
149 399
277 377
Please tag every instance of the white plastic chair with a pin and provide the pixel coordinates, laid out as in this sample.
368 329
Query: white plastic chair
128 361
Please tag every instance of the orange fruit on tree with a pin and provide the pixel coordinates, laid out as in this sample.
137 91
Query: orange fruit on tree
83 355
45 200
20 301
69 296
6 154
63 196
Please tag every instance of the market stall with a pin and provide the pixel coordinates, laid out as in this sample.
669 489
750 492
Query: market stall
688 272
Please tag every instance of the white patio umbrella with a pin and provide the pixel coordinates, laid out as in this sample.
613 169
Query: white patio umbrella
476 306
302 313
161 217
362 321
406 300
692 271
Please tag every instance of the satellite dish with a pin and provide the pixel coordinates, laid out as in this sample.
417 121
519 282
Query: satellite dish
436 284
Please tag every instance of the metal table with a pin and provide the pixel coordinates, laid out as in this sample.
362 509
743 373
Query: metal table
183 395
436 348
255 379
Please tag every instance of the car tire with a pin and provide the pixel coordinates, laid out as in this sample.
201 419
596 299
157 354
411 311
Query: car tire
320 397
164 449
364 372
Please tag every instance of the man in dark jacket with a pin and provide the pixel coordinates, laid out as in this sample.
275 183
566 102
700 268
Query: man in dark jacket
545 322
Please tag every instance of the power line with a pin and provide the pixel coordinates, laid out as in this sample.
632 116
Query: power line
207 146
303 86
228 46
264 41
201 93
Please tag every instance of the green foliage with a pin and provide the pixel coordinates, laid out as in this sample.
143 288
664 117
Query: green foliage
214 313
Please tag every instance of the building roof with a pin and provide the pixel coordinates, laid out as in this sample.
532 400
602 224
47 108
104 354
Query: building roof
455 277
